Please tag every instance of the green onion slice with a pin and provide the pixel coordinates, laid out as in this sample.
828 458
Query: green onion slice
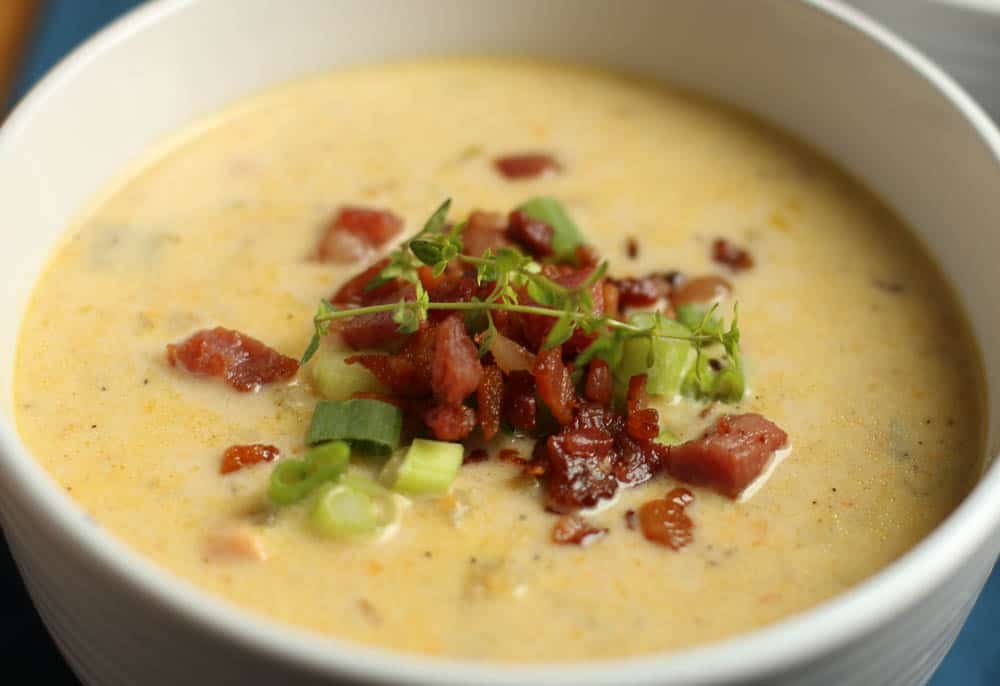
354 508
293 480
566 237
369 426
428 468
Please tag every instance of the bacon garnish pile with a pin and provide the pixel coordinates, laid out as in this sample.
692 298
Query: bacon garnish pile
354 232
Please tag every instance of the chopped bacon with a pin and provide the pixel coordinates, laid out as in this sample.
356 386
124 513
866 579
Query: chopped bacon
639 460
489 401
377 330
586 255
237 457
612 299
484 231
573 529
450 422
353 231
375 227
633 292
642 423
729 455
526 166
699 290
455 369
477 455
353 291
599 386
731 255
510 356
520 404
576 481
665 522
512 456
637 397
531 234
588 442
537 327
555 385
243 362
396 372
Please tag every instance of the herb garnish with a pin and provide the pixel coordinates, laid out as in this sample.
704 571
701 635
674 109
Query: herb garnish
509 270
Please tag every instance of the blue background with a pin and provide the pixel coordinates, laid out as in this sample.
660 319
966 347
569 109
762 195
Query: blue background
25 648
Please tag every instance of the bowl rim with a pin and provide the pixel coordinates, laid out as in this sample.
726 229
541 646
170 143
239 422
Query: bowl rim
796 639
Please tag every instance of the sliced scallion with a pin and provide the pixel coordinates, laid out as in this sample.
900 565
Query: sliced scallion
355 507
293 480
369 426
428 468
566 236
665 361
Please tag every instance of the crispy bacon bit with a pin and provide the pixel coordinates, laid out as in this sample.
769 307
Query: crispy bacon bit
639 460
511 356
520 405
637 397
477 455
555 385
396 372
587 256
731 255
532 235
642 292
376 330
643 424
729 455
573 529
353 231
512 456
484 231
353 290
525 166
631 519
237 457
489 401
700 290
631 248
450 422
375 227
664 521
455 369
588 442
599 386
612 299
243 362
573 481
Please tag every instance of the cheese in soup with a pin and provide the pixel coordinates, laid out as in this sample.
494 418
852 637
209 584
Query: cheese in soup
851 342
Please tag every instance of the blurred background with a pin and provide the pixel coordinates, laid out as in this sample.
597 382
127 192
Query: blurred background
963 36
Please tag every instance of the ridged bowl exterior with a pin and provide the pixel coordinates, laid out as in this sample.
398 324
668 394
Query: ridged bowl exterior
816 68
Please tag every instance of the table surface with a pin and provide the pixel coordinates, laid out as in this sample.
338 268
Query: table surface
25 647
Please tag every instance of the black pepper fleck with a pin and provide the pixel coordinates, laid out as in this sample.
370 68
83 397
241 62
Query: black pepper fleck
428 554
93 426
472 560
145 382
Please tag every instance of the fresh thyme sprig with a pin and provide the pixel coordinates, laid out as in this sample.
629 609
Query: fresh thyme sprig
510 271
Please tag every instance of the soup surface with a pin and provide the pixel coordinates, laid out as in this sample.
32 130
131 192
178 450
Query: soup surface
853 344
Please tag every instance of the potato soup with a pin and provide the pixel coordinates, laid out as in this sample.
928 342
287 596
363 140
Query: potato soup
849 340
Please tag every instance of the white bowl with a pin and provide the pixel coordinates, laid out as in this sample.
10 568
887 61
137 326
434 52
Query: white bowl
818 69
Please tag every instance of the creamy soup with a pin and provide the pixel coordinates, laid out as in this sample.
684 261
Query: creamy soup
851 339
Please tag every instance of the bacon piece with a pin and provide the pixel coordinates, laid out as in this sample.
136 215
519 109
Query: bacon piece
599 386
242 361
396 372
573 529
576 481
531 234
477 455
512 456
352 292
729 455
537 327
586 255
731 255
526 165
637 397
237 457
455 369
520 404
699 290
665 522
612 299
489 401
377 330
450 422
510 356
641 292
484 231
588 442
555 385
642 423
452 289
375 227
638 460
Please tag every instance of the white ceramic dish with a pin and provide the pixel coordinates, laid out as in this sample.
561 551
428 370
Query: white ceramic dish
818 69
